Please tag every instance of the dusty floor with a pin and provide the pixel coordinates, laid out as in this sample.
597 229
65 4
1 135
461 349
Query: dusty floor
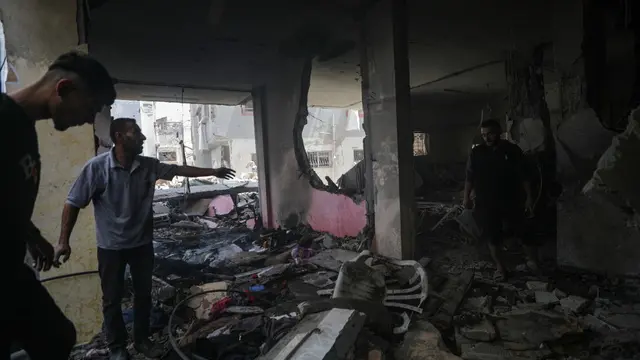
557 313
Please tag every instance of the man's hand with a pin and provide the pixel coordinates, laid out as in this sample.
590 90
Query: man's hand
225 173
63 251
41 252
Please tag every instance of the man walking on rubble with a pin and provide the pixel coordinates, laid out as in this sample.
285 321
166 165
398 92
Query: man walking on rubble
121 185
496 172
73 90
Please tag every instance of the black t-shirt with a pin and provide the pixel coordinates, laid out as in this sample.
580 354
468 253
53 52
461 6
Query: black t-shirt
497 173
22 177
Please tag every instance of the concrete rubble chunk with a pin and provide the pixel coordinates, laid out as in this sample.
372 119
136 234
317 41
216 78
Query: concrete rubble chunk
479 304
483 331
490 351
595 324
560 294
624 321
537 286
424 262
545 297
461 340
423 342
574 303
327 335
536 326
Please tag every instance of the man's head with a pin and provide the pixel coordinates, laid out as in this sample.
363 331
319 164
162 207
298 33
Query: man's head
126 134
490 131
80 88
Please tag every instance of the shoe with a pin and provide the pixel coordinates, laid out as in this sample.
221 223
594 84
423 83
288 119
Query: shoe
148 349
119 354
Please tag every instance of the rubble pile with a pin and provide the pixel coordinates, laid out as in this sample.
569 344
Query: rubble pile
223 290
566 316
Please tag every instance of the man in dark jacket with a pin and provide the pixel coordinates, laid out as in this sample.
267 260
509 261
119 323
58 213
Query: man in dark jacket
74 89
496 172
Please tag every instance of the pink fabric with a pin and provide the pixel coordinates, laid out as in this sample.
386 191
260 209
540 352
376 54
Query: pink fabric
336 214
220 205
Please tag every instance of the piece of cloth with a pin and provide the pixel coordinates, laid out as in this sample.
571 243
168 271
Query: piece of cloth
22 179
497 174
32 320
122 198
111 266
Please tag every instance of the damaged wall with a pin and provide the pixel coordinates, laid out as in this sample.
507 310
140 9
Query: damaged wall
37 31
451 121
293 200
597 227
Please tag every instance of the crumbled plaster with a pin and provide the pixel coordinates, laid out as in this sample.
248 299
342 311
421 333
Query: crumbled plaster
597 229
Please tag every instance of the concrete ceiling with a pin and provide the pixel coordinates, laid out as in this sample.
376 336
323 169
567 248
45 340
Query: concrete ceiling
217 50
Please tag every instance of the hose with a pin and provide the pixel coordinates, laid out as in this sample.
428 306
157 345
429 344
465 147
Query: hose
90 272
172 339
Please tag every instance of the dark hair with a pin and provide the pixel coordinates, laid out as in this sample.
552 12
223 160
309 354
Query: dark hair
91 71
492 124
119 125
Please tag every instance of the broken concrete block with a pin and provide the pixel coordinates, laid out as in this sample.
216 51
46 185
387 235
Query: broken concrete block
560 294
595 324
483 331
423 341
624 321
537 286
535 326
573 303
461 340
545 297
328 242
480 304
487 351
327 335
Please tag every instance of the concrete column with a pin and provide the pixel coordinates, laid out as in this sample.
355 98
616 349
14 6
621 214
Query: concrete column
386 100
262 149
287 194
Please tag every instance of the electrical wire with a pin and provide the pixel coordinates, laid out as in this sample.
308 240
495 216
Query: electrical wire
172 339
90 272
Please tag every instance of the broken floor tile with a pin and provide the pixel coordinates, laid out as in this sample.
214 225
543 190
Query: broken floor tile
537 286
574 303
483 331
545 297
423 341
487 351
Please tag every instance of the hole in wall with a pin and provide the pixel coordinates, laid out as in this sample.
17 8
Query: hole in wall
329 146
